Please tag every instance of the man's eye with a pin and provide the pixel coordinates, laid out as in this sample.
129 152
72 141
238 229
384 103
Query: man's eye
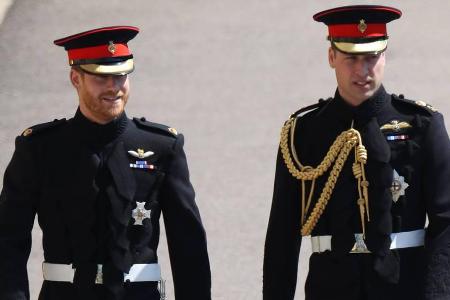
100 77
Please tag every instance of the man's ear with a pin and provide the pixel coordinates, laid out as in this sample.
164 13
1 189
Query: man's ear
331 57
75 78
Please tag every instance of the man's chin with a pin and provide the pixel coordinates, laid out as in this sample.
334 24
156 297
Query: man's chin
112 114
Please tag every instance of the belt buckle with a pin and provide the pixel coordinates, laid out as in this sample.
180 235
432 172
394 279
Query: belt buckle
360 246
99 275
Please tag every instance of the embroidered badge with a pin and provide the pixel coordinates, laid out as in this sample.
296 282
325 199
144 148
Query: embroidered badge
140 153
395 125
362 26
111 47
399 185
139 214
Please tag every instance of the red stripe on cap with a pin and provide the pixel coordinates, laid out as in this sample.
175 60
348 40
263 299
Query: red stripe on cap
102 51
353 31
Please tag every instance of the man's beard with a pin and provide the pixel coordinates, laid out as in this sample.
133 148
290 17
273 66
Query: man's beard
100 109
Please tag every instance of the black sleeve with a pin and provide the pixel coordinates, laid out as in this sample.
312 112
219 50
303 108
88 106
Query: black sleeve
283 237
186 237
437 197
17 213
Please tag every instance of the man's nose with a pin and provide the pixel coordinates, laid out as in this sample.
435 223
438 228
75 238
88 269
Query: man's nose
361 67
113 82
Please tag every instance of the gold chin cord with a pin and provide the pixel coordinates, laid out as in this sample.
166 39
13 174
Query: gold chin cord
336 156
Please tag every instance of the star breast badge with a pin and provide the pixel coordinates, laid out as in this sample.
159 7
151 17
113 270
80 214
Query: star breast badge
140 213
399 185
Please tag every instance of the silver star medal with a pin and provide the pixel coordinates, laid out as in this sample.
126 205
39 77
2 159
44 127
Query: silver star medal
139 214
399 185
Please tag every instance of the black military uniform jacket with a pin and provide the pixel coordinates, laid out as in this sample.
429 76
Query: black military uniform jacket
421 156
77 177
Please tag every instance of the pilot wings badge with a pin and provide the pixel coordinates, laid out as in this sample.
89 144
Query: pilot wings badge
140 153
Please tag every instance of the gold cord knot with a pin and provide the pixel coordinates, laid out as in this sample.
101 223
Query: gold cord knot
361 154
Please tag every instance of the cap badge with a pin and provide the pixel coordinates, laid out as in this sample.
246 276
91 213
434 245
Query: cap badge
140 153
362 26
111 47
399 185
139 214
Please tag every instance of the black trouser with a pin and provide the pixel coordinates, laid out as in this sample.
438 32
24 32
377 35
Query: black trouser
132 291
352 277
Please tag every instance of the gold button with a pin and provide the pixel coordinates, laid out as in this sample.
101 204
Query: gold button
173 130
27 132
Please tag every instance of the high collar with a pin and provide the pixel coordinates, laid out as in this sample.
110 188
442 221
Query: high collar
363 112
99 134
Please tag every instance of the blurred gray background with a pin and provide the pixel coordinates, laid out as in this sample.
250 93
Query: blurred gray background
226 74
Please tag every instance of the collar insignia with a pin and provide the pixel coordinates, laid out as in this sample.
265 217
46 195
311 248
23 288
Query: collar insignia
139 214
140 153
395 125
399 185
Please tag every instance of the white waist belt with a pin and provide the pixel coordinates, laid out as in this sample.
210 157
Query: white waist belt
66 273
399 240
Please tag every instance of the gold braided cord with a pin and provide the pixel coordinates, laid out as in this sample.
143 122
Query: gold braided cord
308 204
327 190
294 152
310 173
305 205
303 188
337 154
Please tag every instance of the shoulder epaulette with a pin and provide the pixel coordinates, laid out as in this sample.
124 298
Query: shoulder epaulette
43 127
143 123
317 105
416 103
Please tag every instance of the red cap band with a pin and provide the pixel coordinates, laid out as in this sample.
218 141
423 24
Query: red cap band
103 51
356 31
